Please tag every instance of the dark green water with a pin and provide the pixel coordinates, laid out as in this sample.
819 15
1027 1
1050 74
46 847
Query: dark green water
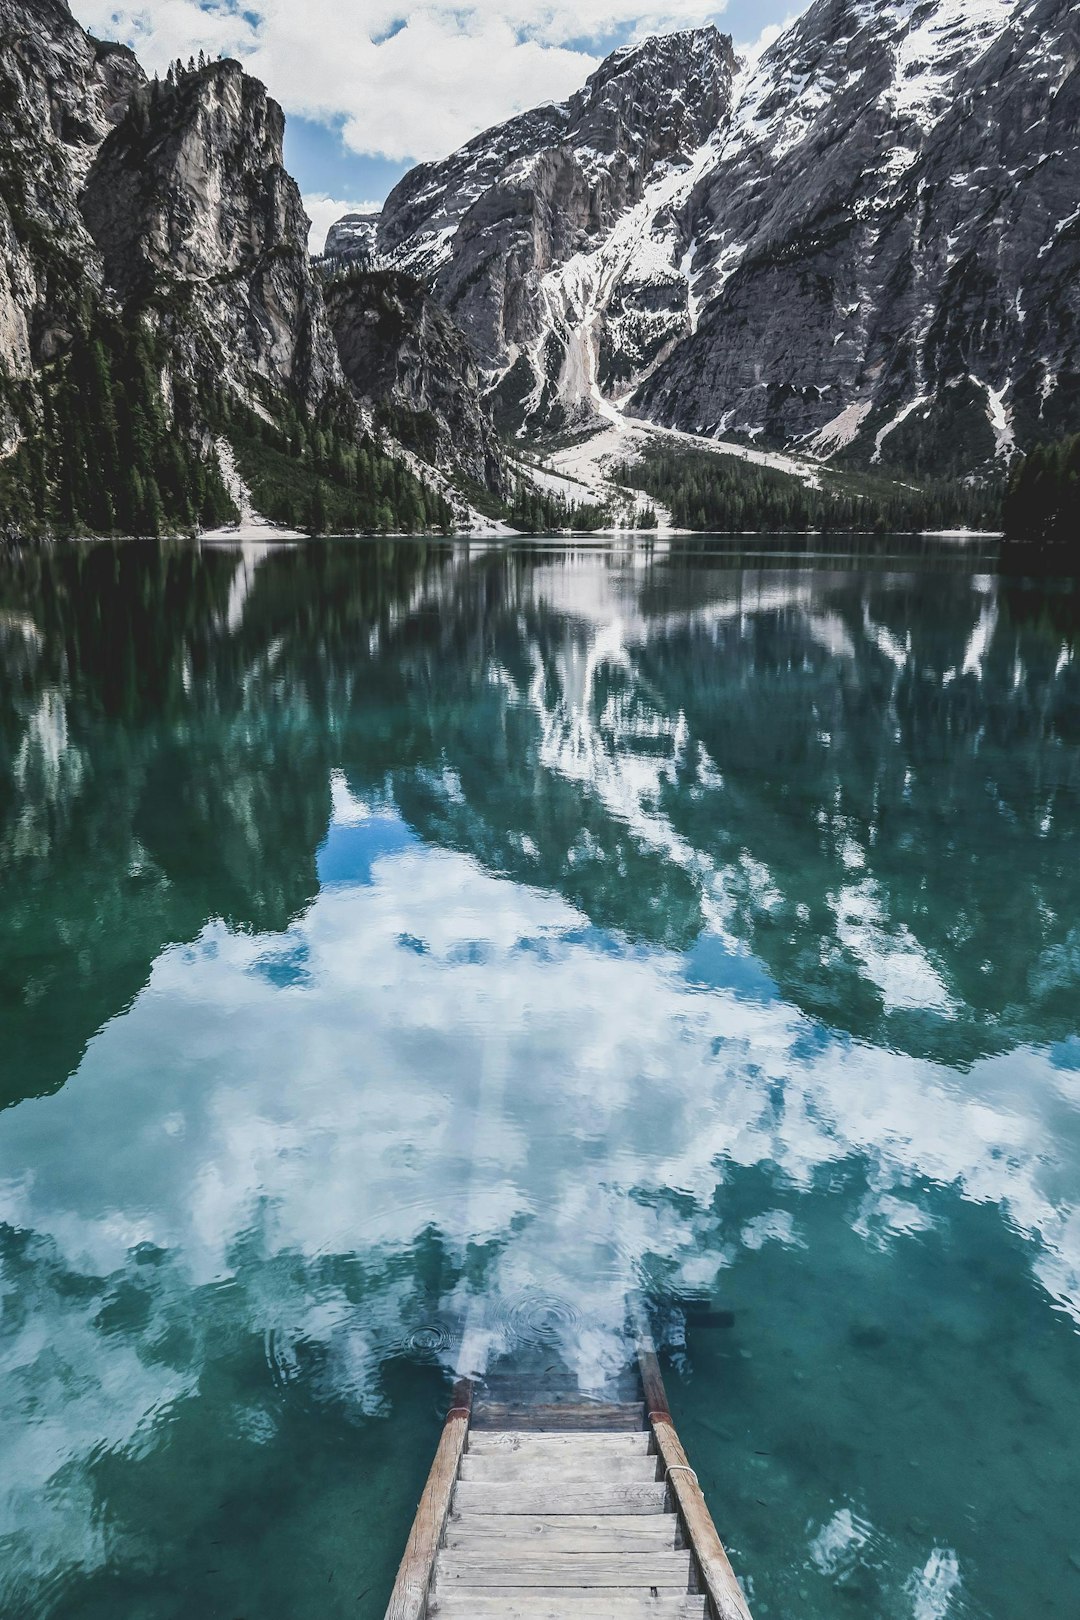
395 935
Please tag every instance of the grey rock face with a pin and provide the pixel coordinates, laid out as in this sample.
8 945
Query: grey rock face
498 228
170 199
400 351
60 93
886 256
354 237
171 196
190 204
863 245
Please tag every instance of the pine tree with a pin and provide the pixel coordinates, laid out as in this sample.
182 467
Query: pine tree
317 515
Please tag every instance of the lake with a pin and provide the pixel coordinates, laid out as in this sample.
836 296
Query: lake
394 936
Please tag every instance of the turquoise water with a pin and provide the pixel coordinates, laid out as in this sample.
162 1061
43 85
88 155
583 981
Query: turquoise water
400 937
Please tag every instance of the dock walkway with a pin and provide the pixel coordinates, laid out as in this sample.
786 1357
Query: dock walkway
542 1505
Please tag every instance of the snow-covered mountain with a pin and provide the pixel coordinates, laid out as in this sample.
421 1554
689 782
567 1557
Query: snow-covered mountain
867 242
554 240
886 253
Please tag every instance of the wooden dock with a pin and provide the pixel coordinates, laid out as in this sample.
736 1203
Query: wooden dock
543 1506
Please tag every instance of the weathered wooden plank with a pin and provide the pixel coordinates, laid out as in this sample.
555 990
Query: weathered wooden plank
660 1529
663 1570
591 1415
556 1543
626 1384
408 1601
716 1572
475 1497
652 1379
522 1466
539 1604
522 1390
560 1443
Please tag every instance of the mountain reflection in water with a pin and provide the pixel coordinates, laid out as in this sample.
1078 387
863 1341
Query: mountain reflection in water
395 933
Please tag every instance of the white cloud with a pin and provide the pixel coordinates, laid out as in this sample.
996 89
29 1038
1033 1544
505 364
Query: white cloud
752 52
324 211
405 88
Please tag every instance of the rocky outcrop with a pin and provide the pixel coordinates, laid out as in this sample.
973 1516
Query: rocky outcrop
541 239
60 94
886 249
355 237
157 296
865 245
409 363
167 196
192 209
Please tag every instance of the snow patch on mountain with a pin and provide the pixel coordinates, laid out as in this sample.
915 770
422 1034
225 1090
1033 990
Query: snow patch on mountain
842 430
932 43
871 223
643 249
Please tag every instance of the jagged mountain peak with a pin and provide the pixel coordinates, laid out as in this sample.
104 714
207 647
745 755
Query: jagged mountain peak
213 137
901 56
847 244
683 48
875 250
504 230
656 99
190 204
354 236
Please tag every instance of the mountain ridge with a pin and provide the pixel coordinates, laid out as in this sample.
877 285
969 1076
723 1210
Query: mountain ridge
831 259
158 302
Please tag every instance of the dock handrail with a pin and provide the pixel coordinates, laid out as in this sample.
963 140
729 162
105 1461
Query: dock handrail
714 1568
409 1599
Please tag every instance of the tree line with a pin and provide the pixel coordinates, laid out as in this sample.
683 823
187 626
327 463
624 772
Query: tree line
534 511
179 70
724 495
1042 502
101 453
324 475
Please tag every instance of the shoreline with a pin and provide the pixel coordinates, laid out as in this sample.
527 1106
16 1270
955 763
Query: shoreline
267 534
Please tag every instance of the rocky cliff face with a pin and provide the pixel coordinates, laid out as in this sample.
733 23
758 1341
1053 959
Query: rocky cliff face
886 250
355 237
407 361
155 287
167 197
60 94
553 240
865 244
191 207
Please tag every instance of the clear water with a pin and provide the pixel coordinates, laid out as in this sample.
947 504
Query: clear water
395 937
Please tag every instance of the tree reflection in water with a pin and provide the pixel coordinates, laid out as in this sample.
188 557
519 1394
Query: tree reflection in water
400 924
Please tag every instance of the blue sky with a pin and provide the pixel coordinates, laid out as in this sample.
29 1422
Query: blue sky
373 86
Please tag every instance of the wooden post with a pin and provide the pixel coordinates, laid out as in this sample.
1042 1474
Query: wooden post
409 1599
718 1578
